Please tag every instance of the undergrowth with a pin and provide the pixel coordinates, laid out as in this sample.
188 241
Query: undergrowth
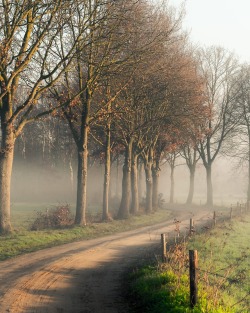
55 217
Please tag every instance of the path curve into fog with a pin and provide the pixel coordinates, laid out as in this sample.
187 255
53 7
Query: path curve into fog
80 277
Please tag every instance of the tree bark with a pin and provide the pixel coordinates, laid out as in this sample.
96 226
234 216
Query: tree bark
6 162
149 185
126 183
171 200
191 186
156 175
81 200
106 185
140 181
117 178
209 185
134 186
82 140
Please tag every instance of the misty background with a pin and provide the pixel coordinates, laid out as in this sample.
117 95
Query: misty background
37 181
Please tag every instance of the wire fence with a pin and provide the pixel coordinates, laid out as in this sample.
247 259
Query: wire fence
183 231
173 248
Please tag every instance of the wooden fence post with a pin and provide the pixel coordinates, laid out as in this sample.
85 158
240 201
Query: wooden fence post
193 265
163 248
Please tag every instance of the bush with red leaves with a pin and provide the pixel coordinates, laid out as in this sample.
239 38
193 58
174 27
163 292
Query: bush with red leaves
57 217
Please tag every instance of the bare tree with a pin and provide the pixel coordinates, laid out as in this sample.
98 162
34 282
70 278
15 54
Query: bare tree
219 68
147 96
30 35
238 146
183 110
99 58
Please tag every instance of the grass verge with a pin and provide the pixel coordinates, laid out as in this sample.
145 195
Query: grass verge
223 274
23 241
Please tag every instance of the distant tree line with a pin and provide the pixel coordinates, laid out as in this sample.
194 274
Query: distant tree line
102 79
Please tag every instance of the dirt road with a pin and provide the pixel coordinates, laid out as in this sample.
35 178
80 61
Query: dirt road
80 277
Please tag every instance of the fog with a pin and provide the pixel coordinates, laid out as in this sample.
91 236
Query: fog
39 183
229 185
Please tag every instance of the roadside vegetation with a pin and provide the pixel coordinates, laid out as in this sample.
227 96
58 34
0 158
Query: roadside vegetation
223 274
28 239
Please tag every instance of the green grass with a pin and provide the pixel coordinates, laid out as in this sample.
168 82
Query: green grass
23 240
23 214
224 273
163 291
224 260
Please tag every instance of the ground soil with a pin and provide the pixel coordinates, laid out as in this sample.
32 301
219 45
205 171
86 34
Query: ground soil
81 277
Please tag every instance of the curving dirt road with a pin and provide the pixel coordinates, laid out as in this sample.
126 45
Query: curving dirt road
80 277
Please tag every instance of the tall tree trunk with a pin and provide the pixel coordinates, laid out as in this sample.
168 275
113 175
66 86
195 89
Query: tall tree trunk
171 200
106 185
82 139
149 188
82 173
140 180
209 185
81 200
117 178
6 162
134 187
191 186
149 183
126 183
156 175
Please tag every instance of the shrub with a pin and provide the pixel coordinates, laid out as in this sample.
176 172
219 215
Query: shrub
56 217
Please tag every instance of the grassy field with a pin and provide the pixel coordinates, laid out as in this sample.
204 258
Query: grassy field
23 240
23 214
224 271
224 262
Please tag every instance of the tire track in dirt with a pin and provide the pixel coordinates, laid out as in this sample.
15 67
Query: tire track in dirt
80 277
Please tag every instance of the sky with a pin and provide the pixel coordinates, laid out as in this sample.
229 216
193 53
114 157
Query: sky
219 22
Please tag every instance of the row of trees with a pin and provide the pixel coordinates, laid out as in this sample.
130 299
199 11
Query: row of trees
123 73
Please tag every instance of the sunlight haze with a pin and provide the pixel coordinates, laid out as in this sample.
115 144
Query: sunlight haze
218 22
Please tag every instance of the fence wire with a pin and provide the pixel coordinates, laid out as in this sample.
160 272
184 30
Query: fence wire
235 211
